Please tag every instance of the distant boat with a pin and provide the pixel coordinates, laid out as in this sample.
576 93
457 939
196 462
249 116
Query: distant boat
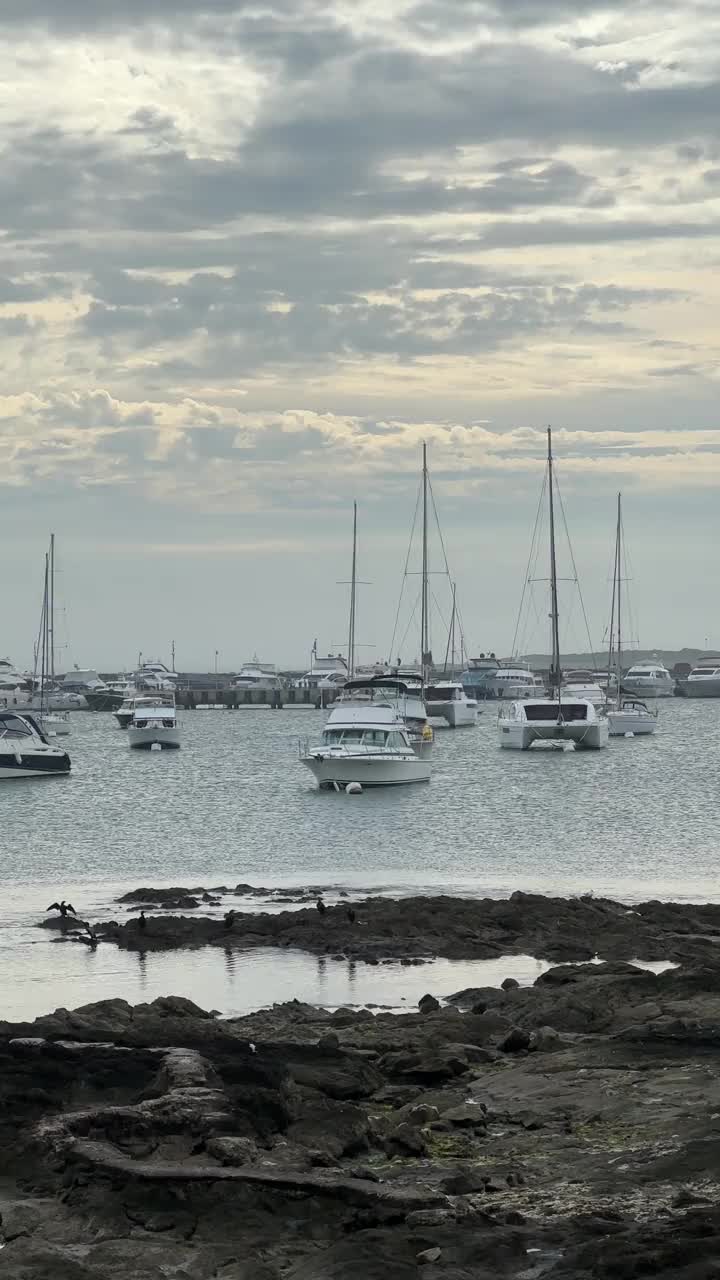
556 719
627 715
648 680
154 722
447 700
704 679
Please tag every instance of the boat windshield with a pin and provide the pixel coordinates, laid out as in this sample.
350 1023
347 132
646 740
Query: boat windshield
364 737
14 727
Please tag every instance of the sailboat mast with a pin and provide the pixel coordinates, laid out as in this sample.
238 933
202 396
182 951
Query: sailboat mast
555 675
618 553
51 612
425 621
45 636
353 591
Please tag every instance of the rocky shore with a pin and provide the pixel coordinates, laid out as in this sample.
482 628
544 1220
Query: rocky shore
417 928
570 1130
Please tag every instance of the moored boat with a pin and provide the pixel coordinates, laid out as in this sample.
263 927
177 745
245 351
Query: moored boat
154 722
627 717
448 701
365 744
25 751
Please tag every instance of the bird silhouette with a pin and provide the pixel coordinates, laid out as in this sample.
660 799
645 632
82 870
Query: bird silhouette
351 915
142 922
63 907
91 940
321 906
229 919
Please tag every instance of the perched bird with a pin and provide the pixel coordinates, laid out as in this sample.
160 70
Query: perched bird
92 939
63 907
351 915
321 906
142 922
229 919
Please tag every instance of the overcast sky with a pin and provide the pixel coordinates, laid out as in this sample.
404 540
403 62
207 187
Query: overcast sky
252 254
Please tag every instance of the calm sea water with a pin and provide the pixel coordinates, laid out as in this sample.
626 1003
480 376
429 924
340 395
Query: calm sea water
636 820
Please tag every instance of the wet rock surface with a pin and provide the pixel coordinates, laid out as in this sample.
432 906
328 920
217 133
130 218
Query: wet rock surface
571 1130
414 929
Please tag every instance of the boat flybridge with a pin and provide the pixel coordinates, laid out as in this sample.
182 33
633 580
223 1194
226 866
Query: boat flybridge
404 692
154 722
365 744
627 717
556 719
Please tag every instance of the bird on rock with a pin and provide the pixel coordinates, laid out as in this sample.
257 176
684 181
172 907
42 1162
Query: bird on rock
351 915
142 922
63 907
321 906
229 919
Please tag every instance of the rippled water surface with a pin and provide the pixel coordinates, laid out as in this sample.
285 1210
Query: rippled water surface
636 820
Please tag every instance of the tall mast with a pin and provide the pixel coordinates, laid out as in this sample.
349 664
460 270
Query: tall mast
555 675
613 606
353 591
51 612
424 621
45 637
618 553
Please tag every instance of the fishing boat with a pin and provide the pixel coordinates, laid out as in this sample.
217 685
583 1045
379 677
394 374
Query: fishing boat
367 745
556 719
154 722
626 715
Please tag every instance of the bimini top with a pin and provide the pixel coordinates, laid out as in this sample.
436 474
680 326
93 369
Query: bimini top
377 682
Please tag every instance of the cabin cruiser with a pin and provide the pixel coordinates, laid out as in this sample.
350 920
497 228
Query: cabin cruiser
154 722
403 692
516 680
631 717
366 743
703 681
257 675
153 674
25 751
527 721
13 683
648 680
584 685
448 701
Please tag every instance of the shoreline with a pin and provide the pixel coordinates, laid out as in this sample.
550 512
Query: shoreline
564 1129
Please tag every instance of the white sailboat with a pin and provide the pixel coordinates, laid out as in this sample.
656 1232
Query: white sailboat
557 719
52 722
627 716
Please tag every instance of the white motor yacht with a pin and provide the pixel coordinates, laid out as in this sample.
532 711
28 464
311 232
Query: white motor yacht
704 680
448 701
631 717
258 675
25 751
524 723
648 680
154 722
366 744
516 680
404 694
585 685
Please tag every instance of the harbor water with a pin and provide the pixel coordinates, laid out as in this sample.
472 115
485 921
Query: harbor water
234 804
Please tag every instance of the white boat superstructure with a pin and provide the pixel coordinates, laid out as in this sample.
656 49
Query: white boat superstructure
366 744
555 719
584 685
403 694
154 722
25 751
448 701
13 683
125 711
153 674
257 675
516 680
648 680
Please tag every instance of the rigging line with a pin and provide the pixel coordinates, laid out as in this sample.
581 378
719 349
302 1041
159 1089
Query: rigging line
405 570
411 620
439 528
591 649
533 554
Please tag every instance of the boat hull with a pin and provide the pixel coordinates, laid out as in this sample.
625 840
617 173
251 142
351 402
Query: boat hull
639 688
153 735
636 722
455 714
104 700
522 735
700 688
33 764
54 726
331 771
123 718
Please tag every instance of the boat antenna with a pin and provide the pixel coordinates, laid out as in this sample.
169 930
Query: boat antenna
353 591
555 676
424 611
